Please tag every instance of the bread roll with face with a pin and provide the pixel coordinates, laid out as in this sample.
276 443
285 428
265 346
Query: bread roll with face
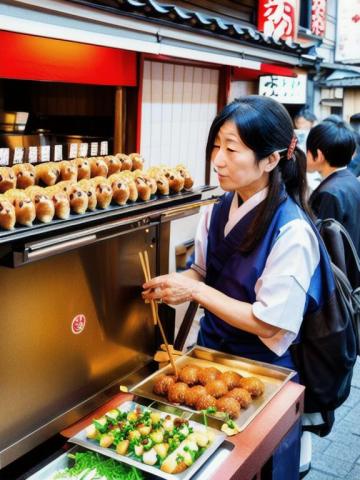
47 173
83 167
151 182
7 179
68 171
137 161
120 191
176 181
98 167
24 208
184 172
103 191
64 186
113 163
60 200
78 199
88 187
162 182
25 175
127 177
44 206
126 162
7 214
144 190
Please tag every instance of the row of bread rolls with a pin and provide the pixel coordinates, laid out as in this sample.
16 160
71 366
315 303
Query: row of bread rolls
23 206
25 175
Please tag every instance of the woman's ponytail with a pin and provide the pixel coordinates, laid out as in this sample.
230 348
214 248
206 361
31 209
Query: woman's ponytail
293 172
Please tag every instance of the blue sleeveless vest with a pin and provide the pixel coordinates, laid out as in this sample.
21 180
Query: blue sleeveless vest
235 274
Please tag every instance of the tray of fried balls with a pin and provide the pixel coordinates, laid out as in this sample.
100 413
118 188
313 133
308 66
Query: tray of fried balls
224 391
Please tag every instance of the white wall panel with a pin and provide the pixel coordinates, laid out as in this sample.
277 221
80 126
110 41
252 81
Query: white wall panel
179 103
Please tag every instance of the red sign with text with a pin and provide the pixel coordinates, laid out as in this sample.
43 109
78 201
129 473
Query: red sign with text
318 17
278 18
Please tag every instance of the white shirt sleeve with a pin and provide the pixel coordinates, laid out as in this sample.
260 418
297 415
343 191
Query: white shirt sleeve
281 289
201 241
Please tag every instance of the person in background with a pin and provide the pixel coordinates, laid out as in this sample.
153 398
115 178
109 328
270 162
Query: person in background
330 147
257 256
354 165
304 120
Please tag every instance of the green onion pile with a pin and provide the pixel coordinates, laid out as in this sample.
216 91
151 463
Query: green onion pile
92 466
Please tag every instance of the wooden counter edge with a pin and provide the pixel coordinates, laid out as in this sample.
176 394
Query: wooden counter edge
255 445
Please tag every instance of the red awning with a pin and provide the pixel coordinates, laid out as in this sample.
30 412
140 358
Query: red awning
29 57
265 69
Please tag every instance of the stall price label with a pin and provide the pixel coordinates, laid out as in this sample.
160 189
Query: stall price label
4 156
73 150
45 153
18 155
83 151
33 154
104 148
58 153
94 147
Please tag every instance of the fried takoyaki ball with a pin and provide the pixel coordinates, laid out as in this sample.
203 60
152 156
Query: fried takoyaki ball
205 401
231 379
193 394
253 385
241 395
176 392
208 374
189 374
216 388
162 384
228 405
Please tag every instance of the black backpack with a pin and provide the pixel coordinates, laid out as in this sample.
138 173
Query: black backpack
329 344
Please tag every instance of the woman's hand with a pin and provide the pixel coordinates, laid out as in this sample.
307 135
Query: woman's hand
173 288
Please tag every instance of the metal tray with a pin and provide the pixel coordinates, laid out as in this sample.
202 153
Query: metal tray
219 437
274 378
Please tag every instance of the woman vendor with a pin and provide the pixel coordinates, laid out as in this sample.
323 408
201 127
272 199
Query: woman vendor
257 257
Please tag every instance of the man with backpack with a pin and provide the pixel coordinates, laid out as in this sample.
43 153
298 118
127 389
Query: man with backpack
330 146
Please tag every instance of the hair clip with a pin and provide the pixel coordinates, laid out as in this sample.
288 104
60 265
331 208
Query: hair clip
292 146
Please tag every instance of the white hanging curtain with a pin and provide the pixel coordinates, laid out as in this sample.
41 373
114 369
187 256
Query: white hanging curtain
178 105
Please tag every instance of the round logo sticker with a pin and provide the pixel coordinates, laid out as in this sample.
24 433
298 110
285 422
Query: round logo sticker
78 324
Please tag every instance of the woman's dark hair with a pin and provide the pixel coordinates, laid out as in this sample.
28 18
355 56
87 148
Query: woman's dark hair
265 126
335 139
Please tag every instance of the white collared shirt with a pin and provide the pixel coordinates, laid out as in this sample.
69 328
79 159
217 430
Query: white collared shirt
281 288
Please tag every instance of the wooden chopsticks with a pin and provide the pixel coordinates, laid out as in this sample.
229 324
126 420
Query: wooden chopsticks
145 264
